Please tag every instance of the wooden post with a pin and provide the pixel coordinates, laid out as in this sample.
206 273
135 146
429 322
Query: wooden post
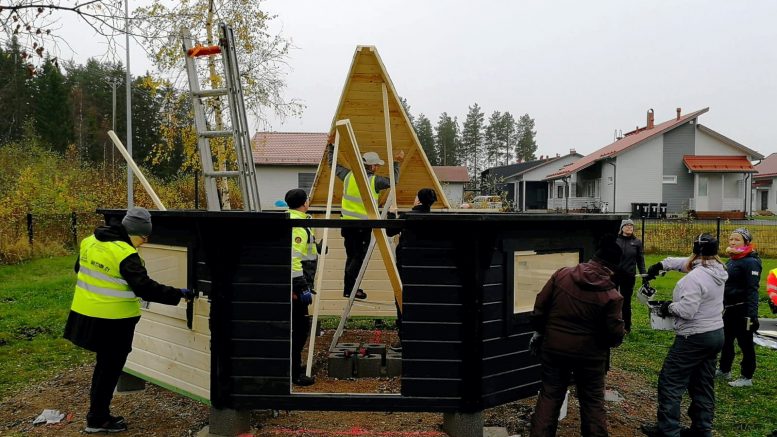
134 167
322 260
392 200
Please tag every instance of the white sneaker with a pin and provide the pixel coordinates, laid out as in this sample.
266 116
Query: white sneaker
722 375
741 382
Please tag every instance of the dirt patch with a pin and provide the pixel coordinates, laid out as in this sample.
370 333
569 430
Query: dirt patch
159 412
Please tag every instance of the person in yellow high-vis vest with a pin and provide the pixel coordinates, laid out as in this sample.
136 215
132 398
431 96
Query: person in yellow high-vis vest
304 260
356 240
111 281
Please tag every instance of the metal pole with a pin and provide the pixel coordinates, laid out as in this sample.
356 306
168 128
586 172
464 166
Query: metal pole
718 229
643 232
130 194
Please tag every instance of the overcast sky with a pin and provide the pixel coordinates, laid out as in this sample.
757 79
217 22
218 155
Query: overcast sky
580 69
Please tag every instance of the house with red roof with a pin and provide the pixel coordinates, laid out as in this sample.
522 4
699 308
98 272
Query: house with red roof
765 185
285 160
676 166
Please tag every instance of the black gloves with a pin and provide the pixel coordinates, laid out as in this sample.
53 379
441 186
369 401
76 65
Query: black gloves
653 271
188 294
535 344
663 310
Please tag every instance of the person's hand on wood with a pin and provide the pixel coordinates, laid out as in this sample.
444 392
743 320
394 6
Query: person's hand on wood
331 138
399 156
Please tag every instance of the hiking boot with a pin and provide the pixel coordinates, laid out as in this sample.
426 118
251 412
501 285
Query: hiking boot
741 382
112 424
303 381
360 294
719 374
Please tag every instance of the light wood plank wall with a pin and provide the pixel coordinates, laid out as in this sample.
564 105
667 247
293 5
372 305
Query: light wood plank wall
164 348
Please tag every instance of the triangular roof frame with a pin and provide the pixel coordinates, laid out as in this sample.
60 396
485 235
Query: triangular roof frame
362 103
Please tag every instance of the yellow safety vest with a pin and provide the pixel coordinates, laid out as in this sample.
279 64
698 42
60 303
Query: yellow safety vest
303 244
352 207
100 290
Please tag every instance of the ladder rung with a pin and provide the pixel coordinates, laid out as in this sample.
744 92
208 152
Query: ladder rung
211 93
216 133
222 174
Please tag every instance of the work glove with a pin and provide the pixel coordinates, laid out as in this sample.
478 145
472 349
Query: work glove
306 297
188 294
535 344
663 310
653 271
754 324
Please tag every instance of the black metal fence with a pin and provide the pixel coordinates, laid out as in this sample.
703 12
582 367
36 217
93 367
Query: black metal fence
33 235
675 236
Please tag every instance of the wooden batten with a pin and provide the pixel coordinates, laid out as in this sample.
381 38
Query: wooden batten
362 102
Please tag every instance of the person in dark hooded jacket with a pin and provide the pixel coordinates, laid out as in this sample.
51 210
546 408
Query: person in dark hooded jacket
740 303
632 258
577 318
112 280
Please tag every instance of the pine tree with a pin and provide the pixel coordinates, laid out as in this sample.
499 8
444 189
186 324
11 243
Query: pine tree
447 139
525 146
493 136
406 107
51 107
15 93
471 152
425 133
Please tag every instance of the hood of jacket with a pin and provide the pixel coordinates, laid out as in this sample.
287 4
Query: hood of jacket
112 233
715 271
592 276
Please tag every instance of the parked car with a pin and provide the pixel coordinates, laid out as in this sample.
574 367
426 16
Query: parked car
486 202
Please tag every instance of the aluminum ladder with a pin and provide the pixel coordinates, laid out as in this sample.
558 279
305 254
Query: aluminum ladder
243 169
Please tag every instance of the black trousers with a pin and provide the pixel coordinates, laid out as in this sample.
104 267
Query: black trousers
735 329
106 374
557 371
300 328
625 285
356 242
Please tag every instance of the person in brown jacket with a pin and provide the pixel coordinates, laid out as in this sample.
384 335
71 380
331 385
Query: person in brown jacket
577 318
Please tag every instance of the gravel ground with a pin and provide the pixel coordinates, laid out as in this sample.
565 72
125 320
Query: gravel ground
158 412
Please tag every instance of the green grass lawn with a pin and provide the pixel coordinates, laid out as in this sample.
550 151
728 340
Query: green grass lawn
34 301
35 298
740 411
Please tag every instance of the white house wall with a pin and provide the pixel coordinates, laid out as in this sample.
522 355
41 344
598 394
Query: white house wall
639 175
454 191
709 145
606 185
275 181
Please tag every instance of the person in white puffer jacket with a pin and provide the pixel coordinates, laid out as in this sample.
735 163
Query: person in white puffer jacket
697 305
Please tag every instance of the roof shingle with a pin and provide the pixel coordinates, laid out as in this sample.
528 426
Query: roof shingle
288 148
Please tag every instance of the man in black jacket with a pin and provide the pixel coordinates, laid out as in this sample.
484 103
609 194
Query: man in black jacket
106 307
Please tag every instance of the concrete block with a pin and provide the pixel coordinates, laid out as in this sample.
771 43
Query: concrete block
463 424
228 422
495 431
393 364
368 366
129 383
339 366
351 346
375 348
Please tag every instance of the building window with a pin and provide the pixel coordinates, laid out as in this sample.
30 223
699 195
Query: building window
670 179
560 191
532 270
702 186
305 181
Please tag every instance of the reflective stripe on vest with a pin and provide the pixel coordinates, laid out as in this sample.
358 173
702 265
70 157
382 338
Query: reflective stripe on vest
100 290
306 249
352 207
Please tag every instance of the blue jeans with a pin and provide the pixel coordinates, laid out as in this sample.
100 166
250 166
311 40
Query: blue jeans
689 365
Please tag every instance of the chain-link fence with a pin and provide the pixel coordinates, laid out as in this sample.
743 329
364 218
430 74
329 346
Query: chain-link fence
35 235
675 236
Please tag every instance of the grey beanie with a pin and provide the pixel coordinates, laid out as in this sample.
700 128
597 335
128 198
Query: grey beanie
137 221
624 223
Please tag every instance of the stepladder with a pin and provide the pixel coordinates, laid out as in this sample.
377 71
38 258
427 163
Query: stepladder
220 120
